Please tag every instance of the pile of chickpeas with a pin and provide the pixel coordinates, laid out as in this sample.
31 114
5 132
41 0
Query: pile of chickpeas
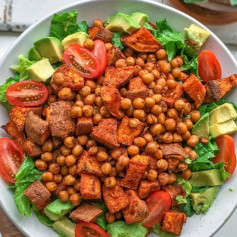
162 125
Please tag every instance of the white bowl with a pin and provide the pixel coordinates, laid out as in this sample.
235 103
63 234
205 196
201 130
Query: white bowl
198 225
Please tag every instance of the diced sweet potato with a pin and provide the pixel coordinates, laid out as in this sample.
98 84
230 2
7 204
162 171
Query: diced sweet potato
60 122
84 126
142 41
56 142
101 33
174 190
135 171
115 198
195 89
113 55
118 76
136 211
146 188
220 87
12 130
86 212
112 99
106 133
172 149
70 78
172 164
88 164
126 134
38 194
137 88
37 129
90 187
32 149
173 222
171 95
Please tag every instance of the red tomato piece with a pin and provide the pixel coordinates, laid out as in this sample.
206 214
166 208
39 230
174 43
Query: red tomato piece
226 145
208 66
84 229
100 53
27 93
158 203
83 60
11 158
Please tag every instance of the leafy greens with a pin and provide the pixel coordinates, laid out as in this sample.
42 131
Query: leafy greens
42 218
116 41
100 220
156 229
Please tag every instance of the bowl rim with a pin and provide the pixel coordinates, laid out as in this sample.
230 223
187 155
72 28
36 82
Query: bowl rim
82 2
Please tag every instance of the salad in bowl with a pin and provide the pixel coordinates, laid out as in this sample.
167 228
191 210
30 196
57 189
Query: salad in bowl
117 129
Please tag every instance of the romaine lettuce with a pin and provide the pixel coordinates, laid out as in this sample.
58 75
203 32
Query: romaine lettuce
156 229
42 218
82 27
100 220
116 41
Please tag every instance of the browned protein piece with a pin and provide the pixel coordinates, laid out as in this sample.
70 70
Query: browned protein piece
220 87
126 134
136 211
171 95
174 190
208 98
172 163
31 149
60 122
57 141
113 55
173 222
84 126
115 198
106 133
172 149
118 76
70 78
38 194
86 212
18 115
90 187
88 164
146 188
142 41
37 129
101 33
112 99
135 171
137 88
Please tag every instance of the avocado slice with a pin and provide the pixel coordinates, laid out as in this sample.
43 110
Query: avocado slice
201 202
223 113
201 128
227 127
33 54
122 23
65 227
141 18
51 48
41 70
76 38
56 209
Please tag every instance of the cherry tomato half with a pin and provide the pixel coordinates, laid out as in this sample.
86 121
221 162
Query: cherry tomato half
11 158
83 60
208 66
84 229
226 145
27 93
158 203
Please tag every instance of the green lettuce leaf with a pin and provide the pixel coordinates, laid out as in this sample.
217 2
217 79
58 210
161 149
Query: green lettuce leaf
184 184
42 218
82 27
190 65
192 1
186 207
100 220
199 190
233 2
116 41
121 229
156 230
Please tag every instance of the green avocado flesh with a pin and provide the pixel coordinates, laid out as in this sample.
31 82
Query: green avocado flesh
65 227
201 128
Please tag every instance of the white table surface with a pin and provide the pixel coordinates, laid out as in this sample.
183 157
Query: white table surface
230 227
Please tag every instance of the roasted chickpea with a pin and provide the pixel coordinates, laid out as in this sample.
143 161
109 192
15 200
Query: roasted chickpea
89 99
47 156
171 83
123 160
124 92
147 77
75 199
85 91
77 150
40 165
140 62
182 77
161 118
156 109
77 185
110 182
165 67
186 174
161 54
187 109
152 147
163 178
172 178
203 140
64 170
70 142
138 103
151 119
156 129
47 176
70 160
133 122
91 84
167 137
102 156
157 98
186 135
98 101
61 160
139 141
110 218
188 123
87 110
158 89
162 165
65 151
158 154
177 137
118 215
126 103
106 168
150 102
93 150
71 190
120 63
182 166
66 94
54 168
176 72
57 178
128 52
139 114
170 124
82 140
97 22
179 104
187 149
133 150
130 111
104 112
152 175
79 103
172 113
69 180
181 128
148 137
195 116
90 143
88 44
51 186
119 168
192 140
48 146
130 61
193 155
97 118
63 196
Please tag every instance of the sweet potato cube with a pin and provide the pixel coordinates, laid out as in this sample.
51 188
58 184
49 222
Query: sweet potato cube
195 89
115 198
84 126
88 164
118 76
146 188
173 222
32 149
142 41
106 133
137 88
101 33
112 99
171 95
220 87
135 171
126 134
90 187
113 55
